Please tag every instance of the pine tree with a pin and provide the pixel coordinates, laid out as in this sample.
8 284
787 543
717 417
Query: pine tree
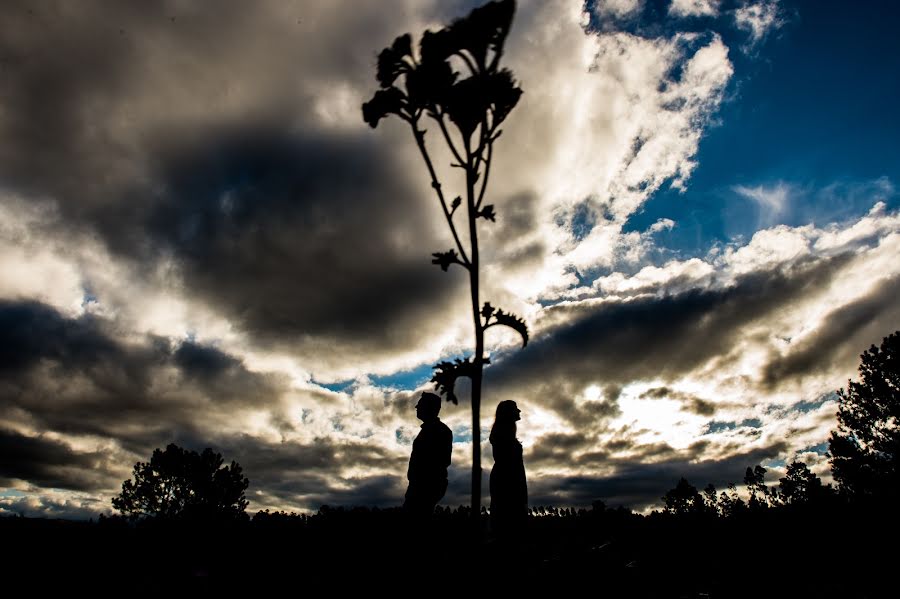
864 450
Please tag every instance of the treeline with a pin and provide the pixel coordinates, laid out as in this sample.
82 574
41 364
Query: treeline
828 544
799 487
184 526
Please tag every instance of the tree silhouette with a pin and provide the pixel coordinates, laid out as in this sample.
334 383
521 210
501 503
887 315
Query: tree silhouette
684 499
454 81
799 486
754 478
865 447
710 499
730 503
177 483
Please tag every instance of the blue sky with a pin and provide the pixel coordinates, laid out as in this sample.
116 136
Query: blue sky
812 107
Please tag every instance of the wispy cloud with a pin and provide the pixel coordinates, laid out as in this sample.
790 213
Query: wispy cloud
772 201
694 8
618 8
759 19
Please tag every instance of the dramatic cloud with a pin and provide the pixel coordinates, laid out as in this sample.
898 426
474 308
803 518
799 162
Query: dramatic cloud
664 358
70 375
226 171
201 242
49 463
324 229
637 484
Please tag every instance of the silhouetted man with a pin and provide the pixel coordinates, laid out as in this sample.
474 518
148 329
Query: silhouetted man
429 460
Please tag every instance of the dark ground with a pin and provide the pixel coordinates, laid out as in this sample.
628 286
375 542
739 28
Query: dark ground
827 552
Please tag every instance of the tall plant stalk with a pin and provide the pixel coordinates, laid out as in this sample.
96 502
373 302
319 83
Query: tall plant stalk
467 106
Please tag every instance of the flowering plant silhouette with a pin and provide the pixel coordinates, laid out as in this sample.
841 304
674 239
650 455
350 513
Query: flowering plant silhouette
467 104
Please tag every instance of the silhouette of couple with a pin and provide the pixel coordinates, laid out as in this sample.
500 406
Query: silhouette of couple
431 456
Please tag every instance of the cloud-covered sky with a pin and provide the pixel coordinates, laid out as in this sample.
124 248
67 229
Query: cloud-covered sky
202 242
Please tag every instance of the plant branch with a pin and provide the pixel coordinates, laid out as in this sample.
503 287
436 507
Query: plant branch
435 183
439 117
487 172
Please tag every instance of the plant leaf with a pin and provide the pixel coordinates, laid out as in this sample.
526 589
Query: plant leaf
487 311
429 83
445 259
503 94
512 321
384 102
391 63
483 29
488 213
446 373
466 104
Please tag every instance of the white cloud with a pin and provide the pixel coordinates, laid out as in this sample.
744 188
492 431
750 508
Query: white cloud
673 277
815 337
694 8
31 267
771 201
663 224
759 19
36 502
618 8
601 123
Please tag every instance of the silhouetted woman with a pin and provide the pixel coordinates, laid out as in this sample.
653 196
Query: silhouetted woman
509 491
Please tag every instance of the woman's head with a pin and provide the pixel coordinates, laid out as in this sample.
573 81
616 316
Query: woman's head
507 411
505 421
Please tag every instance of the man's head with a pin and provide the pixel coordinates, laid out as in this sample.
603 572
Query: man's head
428 407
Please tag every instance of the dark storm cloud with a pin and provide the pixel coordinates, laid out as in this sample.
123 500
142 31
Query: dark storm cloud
635 484
72 377
310 475
82 87
50 463
323 456
203 362
557 448
689 402
845 333
59 67
380 491
517 219
196 139
152 127
585 449
311 491
616 342
292 236
30 331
